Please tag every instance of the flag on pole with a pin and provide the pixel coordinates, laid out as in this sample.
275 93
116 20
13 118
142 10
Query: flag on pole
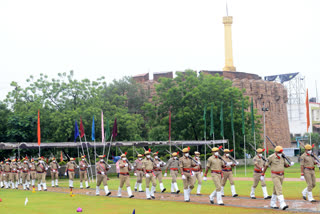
93 137
115 129
232 125
61 157
242 113
204 120
108 134
308 114
76 131
169 125
211 121
221 121
81 128
38 131
252 117
102 127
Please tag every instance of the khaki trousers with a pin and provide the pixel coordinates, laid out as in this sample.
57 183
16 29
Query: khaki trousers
310 178
226 176
41 177
158 175
124 179
102 178
83 176
6 176
216 180
25 177
197 177
54 175
277 184
71 175
33 175
188 182
139 176
152 179
256 180
174 175
14 177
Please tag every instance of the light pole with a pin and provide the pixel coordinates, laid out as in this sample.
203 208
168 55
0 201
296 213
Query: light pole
264 109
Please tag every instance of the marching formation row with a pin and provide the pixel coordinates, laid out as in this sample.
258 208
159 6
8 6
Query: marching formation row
150 166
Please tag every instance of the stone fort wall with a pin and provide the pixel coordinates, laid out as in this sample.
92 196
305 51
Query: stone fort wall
273 94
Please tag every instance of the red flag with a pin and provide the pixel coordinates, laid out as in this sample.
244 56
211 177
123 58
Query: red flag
170 125
61 157
308 115
81 128
39 132
267 150
115 129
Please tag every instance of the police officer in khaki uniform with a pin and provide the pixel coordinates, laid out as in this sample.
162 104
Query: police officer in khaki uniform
259 165
147 166
197 172
101 168
307 163
84 171
124 176
186 165
70 168
1 175
14 177
227 174
25 168
138 172
158 171
277 163
6 173
41 168
33 172
215 164
173 165
54 166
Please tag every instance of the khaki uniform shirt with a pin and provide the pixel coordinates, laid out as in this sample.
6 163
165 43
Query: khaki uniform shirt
307 161
214 163
276 164
25 167
71 165
14 167
258 161
101 167
156 161
123 168
186 163
54 165
173 163
147 164
6 167
32 166
138 164
41 167
83 165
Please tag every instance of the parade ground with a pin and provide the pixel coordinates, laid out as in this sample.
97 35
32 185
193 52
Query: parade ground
59 200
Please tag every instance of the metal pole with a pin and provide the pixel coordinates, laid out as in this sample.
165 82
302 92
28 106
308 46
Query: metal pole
264 130
85 138
254 139
245 157
234 152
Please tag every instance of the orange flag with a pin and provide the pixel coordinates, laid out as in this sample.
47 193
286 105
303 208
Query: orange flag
61 157
308 115
39 133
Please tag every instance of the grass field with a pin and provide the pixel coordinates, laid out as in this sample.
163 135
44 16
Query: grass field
49 202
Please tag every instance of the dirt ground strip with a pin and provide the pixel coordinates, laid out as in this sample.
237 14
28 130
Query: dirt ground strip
244 202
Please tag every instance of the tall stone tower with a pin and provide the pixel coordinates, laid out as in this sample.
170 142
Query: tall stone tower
227 21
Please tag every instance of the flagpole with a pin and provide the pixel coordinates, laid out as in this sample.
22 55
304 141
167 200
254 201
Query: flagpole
85 138
245 157
234 152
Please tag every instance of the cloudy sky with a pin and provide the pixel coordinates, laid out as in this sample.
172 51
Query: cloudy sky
117 38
